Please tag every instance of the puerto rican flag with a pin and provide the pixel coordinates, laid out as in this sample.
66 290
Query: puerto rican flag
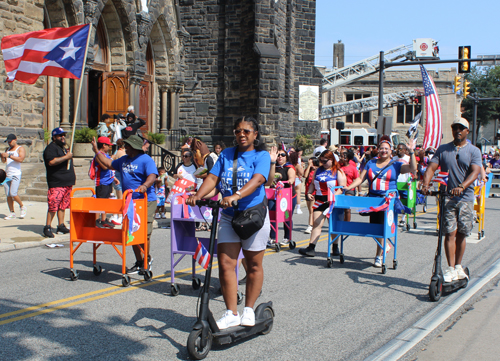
382 181
134 221
433 131
202 256
58 52
441 178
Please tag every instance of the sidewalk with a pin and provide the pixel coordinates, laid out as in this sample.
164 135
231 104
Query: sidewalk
474 336
24 233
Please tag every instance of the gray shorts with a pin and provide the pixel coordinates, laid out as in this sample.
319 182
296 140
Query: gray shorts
257 242
458 215
12 186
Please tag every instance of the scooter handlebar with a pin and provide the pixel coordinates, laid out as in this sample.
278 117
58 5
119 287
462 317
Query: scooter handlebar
212 204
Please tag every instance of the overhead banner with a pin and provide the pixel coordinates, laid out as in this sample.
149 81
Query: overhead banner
309 103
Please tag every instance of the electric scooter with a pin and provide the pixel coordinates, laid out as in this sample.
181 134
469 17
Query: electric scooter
205 331
437 286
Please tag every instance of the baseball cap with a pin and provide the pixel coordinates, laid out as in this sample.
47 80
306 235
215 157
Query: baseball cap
104 140
461 121
10 137
58 131
134 141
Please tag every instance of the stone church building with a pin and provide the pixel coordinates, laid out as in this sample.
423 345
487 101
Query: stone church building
186 65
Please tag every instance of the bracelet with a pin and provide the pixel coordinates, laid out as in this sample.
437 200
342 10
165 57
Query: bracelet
273 162
411 153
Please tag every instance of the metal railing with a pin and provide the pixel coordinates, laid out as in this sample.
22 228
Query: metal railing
173 138
162 157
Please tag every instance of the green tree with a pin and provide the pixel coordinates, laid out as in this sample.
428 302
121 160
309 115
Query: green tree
485 82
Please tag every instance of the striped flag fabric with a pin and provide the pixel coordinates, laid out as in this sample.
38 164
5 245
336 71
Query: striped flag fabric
433 126
202 256
57 52
441 178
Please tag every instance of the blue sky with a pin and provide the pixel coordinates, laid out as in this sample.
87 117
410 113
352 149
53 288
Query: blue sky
368 27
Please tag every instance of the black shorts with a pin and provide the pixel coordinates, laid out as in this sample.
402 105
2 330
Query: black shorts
103 191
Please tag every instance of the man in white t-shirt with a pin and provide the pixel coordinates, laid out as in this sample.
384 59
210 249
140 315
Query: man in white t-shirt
322 147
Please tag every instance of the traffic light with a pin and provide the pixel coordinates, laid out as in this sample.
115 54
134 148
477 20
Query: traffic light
456 84
464 53
466 88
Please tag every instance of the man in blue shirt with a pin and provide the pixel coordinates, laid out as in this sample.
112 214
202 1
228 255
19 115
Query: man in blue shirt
138 171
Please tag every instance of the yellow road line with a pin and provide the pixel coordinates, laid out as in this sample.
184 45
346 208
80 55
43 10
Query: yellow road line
98 294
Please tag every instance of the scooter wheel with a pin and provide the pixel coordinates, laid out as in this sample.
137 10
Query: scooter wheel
196 283
292 245
195 350
435 290
268 314
174 290
277 247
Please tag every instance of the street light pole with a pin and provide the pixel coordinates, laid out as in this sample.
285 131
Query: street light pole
474 120
381 90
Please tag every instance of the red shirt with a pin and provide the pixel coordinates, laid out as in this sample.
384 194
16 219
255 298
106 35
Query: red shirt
351 172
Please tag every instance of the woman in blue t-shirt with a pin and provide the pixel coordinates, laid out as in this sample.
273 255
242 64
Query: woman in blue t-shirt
387 180
253 166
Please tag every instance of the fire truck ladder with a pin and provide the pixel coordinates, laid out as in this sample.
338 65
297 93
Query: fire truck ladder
345 75
367 104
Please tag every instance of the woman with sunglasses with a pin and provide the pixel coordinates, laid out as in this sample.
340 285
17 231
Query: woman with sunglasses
283 171
186 169
328 175
378 185
253 166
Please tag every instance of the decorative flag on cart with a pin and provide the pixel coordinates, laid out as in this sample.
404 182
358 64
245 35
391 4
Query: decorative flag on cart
58 52
441 178
433 131
382 207
331 199
201 255
134 221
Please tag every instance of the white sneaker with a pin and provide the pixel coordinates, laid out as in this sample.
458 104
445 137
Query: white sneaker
460 272
12 215
248 317
308 230
23 212
228 320
285 242
157 216
298 210
378 262
163 216
450 275
271 243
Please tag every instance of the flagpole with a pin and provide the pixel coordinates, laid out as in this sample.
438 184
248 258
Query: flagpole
79 94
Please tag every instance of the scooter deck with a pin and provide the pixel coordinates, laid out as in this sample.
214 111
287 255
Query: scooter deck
455 285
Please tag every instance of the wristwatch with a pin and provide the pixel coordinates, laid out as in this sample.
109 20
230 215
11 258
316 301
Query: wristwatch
238 193
461 186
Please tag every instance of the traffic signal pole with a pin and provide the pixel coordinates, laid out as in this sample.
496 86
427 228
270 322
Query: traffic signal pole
381 88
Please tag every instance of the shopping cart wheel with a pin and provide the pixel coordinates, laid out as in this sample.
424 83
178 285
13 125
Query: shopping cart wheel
196 283
414 225
482 233
126 281
384 269
329 263
195 350
148 275
407 227
342 258
424 209
292 245
174 290
277 247
74 275
395 264
240 298
97 270
478 235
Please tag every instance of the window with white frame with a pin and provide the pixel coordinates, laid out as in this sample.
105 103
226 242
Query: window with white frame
360 118
407 112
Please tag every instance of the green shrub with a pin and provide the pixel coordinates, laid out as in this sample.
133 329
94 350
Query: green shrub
304 142
46 136
84 135
156 138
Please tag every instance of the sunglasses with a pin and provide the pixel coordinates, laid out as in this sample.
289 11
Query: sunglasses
247 131
282 155
186 156
324 160
458 127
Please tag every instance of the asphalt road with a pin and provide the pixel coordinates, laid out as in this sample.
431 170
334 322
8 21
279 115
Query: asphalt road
346 312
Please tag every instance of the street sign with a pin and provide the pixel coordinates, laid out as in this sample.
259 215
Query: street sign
488 62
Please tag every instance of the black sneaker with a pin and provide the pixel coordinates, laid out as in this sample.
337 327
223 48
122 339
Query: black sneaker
107 224
47 232
99 224
135 268
335 250
61 229
308 251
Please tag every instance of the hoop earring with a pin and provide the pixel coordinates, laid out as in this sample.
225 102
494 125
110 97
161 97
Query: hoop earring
256 144
235 142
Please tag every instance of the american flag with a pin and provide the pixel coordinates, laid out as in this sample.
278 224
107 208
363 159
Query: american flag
441 178
202 256
433 132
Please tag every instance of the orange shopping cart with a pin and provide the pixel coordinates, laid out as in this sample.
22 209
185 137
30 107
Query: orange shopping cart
83 230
